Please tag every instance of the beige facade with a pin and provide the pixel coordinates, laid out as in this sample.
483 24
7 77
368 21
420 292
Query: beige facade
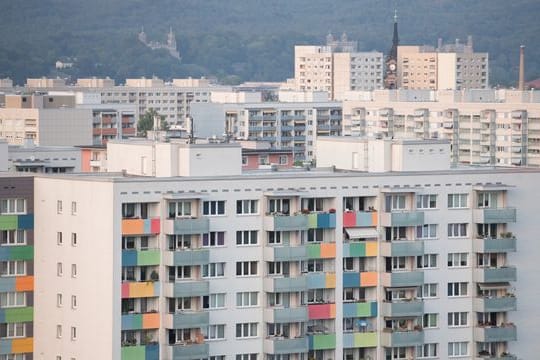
45 82
94 82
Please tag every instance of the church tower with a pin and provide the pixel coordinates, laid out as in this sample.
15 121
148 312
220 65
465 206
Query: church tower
390 79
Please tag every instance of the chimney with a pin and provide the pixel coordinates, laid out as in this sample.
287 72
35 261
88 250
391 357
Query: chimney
521 84
439 44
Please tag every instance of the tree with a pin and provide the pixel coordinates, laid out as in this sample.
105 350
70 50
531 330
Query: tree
146 122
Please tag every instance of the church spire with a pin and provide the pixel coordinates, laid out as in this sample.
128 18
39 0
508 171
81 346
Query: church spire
395 38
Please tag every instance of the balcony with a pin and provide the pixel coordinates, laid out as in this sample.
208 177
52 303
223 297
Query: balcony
140 226
321 311
359 218
16 283
19 252
186 257
187 226
402 248
281 345
494 304
285 284
402 218
140 258
140 321
495 274
495 245
360 248
140 352
360 309
496 357
285 253
16 346
16 314
286 315
320 280
140 289
411 308
187 320
395 338
299 222
359 339
494 216
186 289
322 341
362 279
507 332
187 351
403 279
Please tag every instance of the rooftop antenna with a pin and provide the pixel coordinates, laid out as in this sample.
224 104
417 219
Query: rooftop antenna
191 135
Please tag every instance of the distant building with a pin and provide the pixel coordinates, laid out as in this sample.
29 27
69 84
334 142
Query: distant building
94 82
390 76
44 159
170 45
45 83
337 67
93 158
6 83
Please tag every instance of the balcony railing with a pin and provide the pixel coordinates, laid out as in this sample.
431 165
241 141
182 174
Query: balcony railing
402 218
396 338
281 345
494 215
140 352
507 332
495 304
360 339
495 274
410 308
286 314
403 279
402 248
495 245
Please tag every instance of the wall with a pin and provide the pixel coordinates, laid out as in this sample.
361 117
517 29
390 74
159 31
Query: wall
65 127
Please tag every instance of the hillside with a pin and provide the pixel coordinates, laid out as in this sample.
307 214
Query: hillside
238 40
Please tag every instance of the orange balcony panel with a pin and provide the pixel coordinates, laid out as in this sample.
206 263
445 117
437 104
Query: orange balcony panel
24 283
109 131
96 131
371 248
132 226
21 346
328 251
150 321
331 281
368 279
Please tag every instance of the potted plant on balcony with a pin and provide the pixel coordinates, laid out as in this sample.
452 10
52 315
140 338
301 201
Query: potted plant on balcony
332 211
306 211
154 276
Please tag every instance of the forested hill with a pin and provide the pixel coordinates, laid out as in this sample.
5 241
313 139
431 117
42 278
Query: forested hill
240 40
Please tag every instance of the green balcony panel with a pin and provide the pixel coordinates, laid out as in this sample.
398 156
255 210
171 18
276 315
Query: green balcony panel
132 321
191 226
406 248
360 309
286 346
188 320
189 351
402 338
140 352
413 308
290 253
8 222
407 278
322 342
313 251
190 288
22 314
148 257
354 249
359 340
16 252
290 223
187 257
407 218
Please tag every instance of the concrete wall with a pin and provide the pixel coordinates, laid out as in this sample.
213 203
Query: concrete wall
65 127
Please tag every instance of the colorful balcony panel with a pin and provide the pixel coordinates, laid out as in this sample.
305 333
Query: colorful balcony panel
363 279
140 226
321 280
321 251
25 252
321 311
359 340
140 258
17 314
322 341
140 352
359 218
140 289
13 222
140 321
360 309
16 283
360 249
16 346
321 221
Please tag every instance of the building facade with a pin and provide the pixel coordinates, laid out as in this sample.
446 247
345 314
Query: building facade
312 265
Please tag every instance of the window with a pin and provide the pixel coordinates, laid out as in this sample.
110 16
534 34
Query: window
430 320
214 332
457 201
312 265
279 206
12 237
214 238
427 291
395 202
457 289
263 160
12 330
398 262
59 207
177 242
14 357
457 319
73 208
274 237
426 201
182 272
246 237
73 239
283 159
312 204
428 261
244 160
244 207
213 270
457 230
246 356
427 231
214 301
59 300
278 267
396 233
59 331
247 298
246 268
427 351
458 348
214 207
73 301
59 270
179 209
73 333
486 200
12 299
457 259
12 268
73 270
59 240
246 330
12 206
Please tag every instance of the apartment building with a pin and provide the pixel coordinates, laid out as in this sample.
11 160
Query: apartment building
285 125
16 266
484 127
337 67
316 264
449 66
44 159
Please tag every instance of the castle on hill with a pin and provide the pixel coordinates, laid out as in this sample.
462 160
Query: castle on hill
170 45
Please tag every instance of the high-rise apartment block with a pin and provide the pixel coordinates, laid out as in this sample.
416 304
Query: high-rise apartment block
337 67
449 66
318 264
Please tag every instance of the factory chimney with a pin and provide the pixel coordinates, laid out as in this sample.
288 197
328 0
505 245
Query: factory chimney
521 84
